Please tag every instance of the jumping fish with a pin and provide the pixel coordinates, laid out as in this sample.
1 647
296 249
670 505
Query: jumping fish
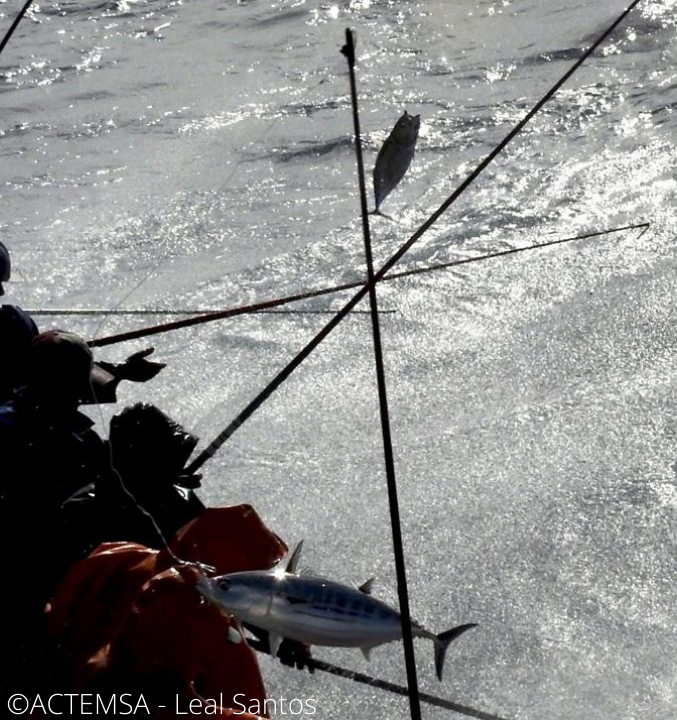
395 156
315 611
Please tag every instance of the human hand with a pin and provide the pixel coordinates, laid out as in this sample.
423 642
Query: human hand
295 654
137 368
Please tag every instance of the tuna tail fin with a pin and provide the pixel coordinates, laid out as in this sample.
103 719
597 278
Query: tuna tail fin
380 214
442 642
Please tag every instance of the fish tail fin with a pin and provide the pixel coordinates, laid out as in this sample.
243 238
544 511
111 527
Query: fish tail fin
442 642
382 214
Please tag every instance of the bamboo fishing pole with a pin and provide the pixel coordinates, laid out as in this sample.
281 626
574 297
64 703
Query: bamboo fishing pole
260 307
395 521
305 352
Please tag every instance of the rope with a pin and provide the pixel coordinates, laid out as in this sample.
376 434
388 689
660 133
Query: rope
275 383
396 525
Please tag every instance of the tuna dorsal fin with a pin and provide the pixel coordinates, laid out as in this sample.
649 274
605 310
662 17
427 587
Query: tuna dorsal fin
366 587
366 651
294 559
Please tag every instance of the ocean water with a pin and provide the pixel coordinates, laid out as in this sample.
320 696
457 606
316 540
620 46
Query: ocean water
187 154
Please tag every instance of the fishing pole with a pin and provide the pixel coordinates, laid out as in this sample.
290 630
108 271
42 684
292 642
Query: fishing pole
207 453
260 307
162 311
395 521
275 383
314 664
14 25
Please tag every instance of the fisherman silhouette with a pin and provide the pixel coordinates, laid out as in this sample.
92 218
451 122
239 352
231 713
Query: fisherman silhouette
17 330
49 450
148 452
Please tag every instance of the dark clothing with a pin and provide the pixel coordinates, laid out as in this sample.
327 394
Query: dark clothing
49 453
171 507
17 331
60 497
45 458
105 512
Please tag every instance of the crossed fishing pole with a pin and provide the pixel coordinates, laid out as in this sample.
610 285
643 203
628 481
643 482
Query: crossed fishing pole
365 289
305 352
201 317
370 288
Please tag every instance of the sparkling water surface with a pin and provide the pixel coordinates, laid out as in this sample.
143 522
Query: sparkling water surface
194 154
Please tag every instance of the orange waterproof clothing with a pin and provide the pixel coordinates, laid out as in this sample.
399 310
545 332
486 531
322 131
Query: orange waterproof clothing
129 617
174 633
92 603
231 539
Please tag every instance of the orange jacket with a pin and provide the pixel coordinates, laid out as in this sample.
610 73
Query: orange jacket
129 617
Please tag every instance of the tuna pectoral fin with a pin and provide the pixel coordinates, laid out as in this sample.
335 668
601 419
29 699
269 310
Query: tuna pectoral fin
366 651
274 642
442 642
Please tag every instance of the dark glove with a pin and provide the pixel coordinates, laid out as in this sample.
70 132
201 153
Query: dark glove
290 653
295 654
137 369
189 481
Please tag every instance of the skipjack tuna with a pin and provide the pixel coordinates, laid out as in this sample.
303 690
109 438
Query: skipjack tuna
395 156
315 611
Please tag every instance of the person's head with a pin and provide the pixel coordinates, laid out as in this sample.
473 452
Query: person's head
60 369
5 267
149 446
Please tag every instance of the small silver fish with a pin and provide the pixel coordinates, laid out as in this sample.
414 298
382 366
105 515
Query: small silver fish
315 611
395 156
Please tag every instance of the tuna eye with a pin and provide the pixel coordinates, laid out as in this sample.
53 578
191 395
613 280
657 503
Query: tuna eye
224 584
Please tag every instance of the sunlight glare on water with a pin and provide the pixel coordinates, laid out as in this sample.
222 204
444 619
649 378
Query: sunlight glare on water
182 154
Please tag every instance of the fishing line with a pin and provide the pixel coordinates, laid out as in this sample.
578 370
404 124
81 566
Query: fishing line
126 492
275 383
396 525
109 451
213 316
14 25
323 666
130 496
